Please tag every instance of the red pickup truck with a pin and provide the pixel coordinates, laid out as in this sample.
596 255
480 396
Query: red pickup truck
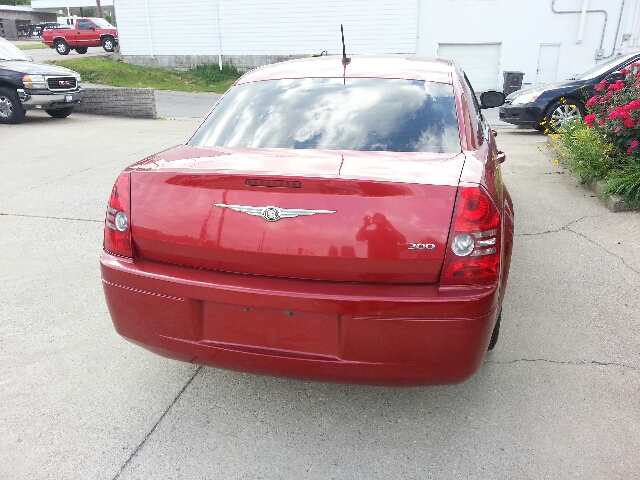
87 32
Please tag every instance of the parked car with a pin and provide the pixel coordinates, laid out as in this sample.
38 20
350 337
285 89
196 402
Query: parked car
25 85
548 106
87 32
327 221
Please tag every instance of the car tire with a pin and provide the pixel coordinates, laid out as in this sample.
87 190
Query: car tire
81 50
108 43
11 111
561 111
60 112
62 48
495 333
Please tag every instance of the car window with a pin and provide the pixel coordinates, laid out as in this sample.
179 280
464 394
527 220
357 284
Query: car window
84 25
8 51
334 114
475 113
102 23
605 67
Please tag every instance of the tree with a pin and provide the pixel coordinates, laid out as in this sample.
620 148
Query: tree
99 9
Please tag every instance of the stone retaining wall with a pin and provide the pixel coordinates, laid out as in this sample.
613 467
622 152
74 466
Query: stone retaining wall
121 102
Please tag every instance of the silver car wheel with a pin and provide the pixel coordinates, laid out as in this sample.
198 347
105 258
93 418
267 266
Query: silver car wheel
6 107
562 113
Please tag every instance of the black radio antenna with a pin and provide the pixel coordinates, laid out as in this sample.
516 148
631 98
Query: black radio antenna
345 60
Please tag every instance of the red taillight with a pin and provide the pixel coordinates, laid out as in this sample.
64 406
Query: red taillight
473 255
117 223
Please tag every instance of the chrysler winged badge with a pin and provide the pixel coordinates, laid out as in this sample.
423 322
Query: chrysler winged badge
271 213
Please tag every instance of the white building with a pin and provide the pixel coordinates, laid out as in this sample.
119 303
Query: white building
548 40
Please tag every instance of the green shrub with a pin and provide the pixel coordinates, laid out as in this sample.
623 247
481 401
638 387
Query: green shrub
211 73
586 154
625 182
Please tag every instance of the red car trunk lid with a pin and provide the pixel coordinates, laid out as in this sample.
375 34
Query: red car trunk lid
343 216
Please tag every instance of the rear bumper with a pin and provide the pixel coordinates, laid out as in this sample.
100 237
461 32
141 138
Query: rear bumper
340 332
49 100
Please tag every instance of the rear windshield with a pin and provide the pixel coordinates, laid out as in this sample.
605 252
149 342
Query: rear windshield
325 113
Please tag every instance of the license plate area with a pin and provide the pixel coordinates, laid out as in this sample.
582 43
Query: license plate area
68 98
266 329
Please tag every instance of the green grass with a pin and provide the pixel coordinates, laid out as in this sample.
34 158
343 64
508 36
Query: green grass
204 78
32 46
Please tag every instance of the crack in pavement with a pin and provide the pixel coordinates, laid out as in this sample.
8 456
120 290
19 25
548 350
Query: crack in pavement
624 262
565 227
567 362
568 229
49 217
144 440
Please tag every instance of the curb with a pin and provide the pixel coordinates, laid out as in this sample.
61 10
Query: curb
615 203
120 102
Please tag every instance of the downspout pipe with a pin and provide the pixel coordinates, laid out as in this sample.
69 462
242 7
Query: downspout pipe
146 7
583 18
615 38
219 42
634 29
604 27
562 12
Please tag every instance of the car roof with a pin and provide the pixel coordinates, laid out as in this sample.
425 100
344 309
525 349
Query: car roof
409 67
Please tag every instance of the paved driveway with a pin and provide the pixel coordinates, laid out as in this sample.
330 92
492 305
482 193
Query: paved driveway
558 397
41 55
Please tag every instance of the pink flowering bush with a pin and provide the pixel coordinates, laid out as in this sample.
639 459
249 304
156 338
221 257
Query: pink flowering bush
607 144
614 113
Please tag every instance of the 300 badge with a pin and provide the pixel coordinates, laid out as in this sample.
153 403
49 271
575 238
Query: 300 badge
421 246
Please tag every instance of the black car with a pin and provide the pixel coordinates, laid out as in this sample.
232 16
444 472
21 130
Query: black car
547 106
25 85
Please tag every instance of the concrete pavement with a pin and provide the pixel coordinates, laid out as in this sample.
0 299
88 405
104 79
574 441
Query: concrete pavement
183 105
42 55
557 398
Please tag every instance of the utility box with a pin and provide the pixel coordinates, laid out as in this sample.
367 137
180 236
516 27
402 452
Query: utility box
512 82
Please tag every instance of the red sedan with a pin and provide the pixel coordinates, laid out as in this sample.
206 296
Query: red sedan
329 220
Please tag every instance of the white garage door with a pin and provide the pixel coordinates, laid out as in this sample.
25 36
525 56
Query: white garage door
480 61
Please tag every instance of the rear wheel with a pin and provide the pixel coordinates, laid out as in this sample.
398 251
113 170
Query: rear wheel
108 43
81 50
62 48
11 110
560 112
496 332
60 112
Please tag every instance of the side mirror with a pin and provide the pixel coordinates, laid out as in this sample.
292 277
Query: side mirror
491 99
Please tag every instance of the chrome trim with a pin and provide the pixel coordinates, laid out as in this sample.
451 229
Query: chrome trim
487 251
486 243
49 99
64 78
486 233
272 213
